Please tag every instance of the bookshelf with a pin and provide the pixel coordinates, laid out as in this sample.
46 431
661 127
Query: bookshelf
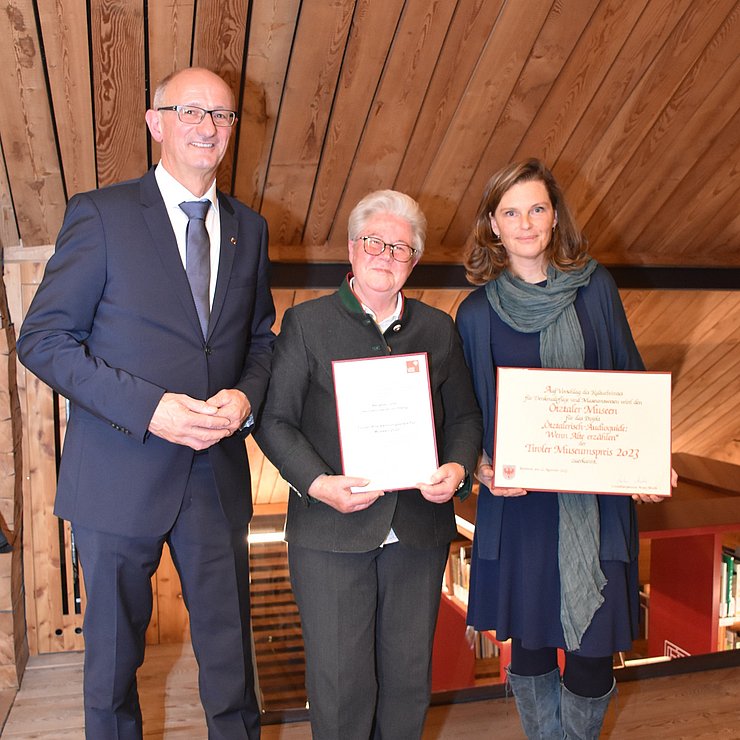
463 658
687 605
692 540
729 608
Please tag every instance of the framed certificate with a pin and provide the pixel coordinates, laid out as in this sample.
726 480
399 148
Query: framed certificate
583 431
386 421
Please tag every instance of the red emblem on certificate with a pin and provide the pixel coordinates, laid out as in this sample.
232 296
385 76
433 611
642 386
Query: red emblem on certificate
509 471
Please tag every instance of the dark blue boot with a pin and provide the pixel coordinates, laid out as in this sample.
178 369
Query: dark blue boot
582 716
538 701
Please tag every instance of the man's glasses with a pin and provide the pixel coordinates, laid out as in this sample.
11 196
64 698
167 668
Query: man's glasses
194 115
400 252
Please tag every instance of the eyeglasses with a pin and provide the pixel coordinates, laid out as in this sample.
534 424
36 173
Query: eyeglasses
400 252
194 115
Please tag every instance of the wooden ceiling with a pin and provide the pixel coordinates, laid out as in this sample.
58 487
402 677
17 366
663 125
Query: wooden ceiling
634 104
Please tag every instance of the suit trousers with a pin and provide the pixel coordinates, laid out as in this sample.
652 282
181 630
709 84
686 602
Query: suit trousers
213 562
368 624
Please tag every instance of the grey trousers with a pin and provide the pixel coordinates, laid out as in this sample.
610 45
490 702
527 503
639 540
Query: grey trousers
368 627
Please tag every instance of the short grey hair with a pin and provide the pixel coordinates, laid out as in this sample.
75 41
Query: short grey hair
395 203
160 90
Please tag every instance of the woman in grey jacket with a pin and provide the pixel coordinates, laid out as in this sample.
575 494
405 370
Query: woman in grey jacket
366 568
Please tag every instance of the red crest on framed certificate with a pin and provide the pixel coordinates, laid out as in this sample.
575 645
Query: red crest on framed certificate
509 471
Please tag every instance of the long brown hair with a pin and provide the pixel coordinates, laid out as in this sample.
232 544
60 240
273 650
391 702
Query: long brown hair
486 257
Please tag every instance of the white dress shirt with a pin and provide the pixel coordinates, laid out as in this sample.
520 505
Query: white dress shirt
174 193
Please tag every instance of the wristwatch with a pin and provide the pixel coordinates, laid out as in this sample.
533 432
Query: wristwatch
464 478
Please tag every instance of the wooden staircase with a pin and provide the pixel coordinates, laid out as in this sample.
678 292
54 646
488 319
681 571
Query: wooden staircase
277 628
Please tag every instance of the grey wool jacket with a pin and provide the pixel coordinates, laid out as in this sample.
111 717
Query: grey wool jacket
298 429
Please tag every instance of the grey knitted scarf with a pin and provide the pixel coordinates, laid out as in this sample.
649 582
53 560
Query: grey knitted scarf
550 310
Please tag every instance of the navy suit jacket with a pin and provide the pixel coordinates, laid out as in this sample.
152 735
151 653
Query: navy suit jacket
113 326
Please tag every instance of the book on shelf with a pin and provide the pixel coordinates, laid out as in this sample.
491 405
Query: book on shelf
732 638
460 571
730 566
643 621
485 648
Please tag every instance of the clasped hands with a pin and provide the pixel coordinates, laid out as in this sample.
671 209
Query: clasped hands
336 490
188 421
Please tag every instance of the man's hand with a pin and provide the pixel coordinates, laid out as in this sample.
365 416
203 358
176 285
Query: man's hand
443 483
232 404
187 421
334 490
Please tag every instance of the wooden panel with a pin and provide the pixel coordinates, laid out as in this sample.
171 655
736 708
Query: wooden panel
172 624
169 51
119 89
726 238
565 102
603 166
65 31
409 69
52 631
606 66
372 33
316 59
469 31
220 27
13 643
28 139
488 90
219 38
709 191
269 490
8 228
693 118
272 26
597 87
704 359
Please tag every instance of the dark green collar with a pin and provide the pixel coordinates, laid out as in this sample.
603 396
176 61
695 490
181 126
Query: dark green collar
352 303
348 298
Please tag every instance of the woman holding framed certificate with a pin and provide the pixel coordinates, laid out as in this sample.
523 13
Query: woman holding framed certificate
549 570
366 565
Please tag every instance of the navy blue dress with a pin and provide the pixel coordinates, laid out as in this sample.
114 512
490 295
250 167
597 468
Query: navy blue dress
518 595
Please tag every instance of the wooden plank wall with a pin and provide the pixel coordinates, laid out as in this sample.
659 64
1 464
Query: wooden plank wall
635 105
53 607
13 642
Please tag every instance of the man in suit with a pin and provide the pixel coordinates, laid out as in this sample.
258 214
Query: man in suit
164 354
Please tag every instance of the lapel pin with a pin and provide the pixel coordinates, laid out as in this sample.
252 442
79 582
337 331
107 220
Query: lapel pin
233 240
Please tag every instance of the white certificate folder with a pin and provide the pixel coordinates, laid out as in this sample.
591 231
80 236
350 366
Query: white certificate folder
386 420
583 431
